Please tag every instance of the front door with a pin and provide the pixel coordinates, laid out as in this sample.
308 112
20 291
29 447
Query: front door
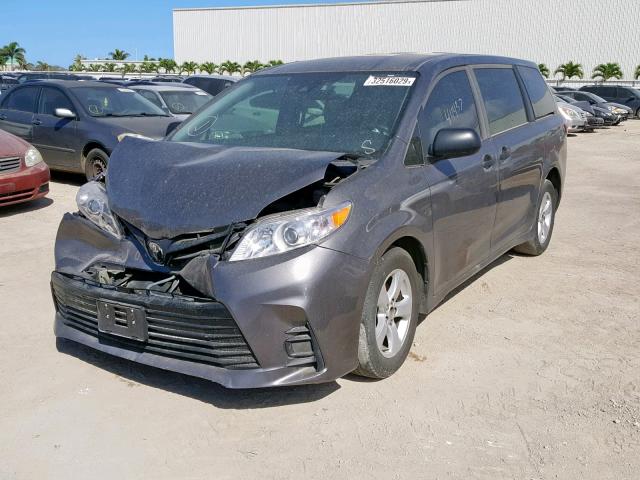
463 190
55 137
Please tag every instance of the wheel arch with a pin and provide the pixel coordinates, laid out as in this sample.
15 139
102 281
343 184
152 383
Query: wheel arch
415 248
556 180
90 145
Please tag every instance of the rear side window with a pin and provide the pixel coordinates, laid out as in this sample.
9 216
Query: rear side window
502 98
538 92
152 97
23 100
450 105
51 99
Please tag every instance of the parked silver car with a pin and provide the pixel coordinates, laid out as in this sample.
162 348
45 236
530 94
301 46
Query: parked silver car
178 101
575 118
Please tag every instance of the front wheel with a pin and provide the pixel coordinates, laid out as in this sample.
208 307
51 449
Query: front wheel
545 218
95 165
389 316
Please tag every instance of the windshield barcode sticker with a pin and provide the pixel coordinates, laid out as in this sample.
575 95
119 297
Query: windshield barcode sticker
375 81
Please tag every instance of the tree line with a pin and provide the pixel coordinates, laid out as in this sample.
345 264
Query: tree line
14 55
603 71
168 65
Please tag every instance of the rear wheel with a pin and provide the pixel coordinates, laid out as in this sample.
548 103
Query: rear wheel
95 164
389 316
545 217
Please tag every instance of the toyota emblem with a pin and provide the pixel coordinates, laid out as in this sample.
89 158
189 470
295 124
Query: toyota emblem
156 252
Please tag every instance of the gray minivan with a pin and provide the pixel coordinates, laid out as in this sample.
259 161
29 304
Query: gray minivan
297 227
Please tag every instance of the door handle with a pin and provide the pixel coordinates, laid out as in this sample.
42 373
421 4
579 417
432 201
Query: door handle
37 122
505 153
488 161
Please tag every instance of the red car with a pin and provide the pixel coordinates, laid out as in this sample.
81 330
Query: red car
23 174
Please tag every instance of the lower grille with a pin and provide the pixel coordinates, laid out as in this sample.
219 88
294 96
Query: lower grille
206 334
15 196
9 164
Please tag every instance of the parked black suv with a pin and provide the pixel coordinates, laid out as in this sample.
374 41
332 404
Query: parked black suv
296 228
615 93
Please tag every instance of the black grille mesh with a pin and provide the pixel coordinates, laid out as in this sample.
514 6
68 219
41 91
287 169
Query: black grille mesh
207 334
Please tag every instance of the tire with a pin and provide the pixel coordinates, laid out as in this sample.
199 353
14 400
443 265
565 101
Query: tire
95 164
376 361
544 221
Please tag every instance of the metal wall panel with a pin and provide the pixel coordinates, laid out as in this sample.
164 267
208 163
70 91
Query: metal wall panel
545 31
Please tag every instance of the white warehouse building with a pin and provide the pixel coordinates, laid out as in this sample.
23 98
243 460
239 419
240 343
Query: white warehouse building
552 32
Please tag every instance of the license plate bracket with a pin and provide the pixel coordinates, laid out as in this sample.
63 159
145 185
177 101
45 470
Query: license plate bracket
123 320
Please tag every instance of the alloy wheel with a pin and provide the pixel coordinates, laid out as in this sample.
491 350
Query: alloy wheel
394 312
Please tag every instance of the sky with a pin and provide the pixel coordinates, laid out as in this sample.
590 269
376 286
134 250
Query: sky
55 31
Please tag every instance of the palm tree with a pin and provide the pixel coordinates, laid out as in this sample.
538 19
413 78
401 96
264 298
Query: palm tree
273 63
168 65
109 67
189 67
127 68
149 67
42 66
119 55
252 66
14 53
77 65
636 74
570 70
230 67
544 70
209 67
95 67
607 71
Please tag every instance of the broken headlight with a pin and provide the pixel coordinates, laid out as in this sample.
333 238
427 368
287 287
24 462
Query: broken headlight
283 232
93 203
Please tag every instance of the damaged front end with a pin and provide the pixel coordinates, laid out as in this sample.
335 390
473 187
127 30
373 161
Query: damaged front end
139 276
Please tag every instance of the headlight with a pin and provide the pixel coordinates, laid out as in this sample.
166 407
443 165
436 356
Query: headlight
122 136
569 113
619 111
32 157
284 232
93 203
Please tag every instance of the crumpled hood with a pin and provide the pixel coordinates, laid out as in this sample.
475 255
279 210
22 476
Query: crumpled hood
168 189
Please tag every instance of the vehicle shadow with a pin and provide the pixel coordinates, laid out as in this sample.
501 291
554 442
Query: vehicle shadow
208 392
67 178
496 263
21 208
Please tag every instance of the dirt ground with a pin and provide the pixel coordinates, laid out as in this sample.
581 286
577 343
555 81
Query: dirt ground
529 371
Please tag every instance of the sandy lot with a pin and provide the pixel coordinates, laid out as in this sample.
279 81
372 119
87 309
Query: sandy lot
529 371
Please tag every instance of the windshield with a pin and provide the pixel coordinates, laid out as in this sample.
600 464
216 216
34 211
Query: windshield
596 98
339 112
115 102
185 100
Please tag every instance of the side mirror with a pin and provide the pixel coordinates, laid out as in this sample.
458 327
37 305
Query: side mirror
455 142
64 113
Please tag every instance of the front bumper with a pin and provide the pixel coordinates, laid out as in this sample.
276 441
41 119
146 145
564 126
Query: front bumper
275 303
24 185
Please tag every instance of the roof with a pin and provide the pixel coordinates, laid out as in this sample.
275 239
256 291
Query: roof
72 83
166 87
391 63
218 77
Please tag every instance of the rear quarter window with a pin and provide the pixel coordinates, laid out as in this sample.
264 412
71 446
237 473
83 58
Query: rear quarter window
538 92
502 98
